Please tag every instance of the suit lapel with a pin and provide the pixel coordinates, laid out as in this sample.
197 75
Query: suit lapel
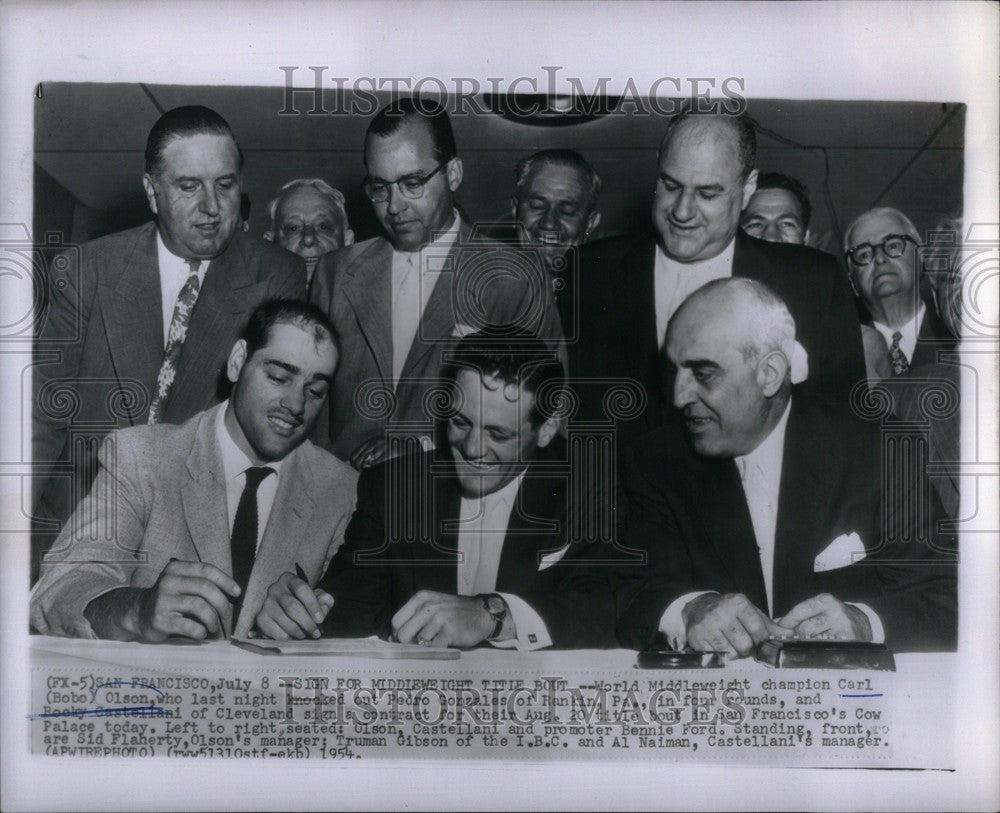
437 568
748 261
285 532
722 507
368 289
131 309
531 531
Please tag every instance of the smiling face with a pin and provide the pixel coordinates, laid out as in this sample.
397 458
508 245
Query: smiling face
699 190
774 215
720 393
412 223
555 208
196 195
490 435
278 391
884 278
307 222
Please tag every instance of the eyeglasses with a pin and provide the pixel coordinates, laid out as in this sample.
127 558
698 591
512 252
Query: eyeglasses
893 246
410 186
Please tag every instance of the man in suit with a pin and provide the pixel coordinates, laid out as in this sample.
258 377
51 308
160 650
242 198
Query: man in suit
397 301
630 286
468 544
881 247
768 512
138 324
308 216
187 526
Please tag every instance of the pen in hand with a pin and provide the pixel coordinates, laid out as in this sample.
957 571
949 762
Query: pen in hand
301 573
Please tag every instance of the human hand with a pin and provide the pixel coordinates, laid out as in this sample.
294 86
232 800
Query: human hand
825 614
293 609
369 453
726 623
441 619
187 600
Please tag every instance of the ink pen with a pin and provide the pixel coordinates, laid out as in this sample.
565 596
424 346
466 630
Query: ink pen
301 573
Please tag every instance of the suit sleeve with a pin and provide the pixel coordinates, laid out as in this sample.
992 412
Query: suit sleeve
644 591
98 548
321 295
288 279
841 362
357 578
62 327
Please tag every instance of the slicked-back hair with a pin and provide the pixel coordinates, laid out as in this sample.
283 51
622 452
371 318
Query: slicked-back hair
183 122
334 196
516 358
559 158
775 180
743 127
273 312
428 112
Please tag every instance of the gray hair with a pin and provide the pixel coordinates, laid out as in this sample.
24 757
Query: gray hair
335 196
908 226
560 158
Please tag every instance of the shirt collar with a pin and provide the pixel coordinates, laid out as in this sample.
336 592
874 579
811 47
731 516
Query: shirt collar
909 330
505 495
234 460
722 260
767 456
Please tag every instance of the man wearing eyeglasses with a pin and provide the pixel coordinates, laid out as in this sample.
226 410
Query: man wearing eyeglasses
398 301
881 248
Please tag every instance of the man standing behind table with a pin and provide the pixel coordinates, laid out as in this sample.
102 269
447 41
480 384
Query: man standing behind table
397 301
187 526
770 505
631 286
138 323
468 544
308 217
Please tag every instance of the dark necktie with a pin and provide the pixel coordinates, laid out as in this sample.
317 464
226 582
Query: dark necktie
244 539
896 355
175 340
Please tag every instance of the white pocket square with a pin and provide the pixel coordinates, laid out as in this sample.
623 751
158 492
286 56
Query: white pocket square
550 559
845 550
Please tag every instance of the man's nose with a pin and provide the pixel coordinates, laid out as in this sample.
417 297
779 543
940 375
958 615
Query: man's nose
684 208
683 393
294 400
308 235
472 444
209 200
548 221
397 203
772 233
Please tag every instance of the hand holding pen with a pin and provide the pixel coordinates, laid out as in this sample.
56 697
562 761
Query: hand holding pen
293 609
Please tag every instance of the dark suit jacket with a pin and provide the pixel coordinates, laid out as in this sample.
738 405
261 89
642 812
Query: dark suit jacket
100 345
934 337
354 287
617 320
691 519
404 538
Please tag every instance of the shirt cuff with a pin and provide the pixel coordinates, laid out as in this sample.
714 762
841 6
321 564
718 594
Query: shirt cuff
878 631
531 630
672 620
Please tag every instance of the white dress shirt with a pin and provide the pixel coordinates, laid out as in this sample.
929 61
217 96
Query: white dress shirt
909 332
174 272
483 525
414 275
234 466
674 281
760 475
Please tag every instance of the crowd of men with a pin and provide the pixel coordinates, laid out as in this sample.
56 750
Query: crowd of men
307 436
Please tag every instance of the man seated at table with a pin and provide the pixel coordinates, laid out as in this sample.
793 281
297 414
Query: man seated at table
187 526
766 513
468 544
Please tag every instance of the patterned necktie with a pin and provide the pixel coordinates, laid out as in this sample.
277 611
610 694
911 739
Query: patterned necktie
897 356
175 340
244 539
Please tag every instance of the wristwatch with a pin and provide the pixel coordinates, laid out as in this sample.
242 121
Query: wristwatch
494 604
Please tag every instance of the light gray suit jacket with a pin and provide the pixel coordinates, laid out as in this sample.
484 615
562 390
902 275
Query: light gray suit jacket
160 494
484 284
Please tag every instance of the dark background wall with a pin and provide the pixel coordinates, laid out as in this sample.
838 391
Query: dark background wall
89 141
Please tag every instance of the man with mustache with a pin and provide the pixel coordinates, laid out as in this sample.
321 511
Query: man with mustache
187 526
137 325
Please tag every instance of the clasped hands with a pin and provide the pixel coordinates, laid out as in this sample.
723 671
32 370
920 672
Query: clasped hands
730 623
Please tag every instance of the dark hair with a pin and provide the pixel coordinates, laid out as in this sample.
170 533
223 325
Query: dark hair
390 118
746 136
516 358
182 122
273 312
562 158
775 180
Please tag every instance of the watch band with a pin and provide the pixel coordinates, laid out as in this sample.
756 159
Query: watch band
494 604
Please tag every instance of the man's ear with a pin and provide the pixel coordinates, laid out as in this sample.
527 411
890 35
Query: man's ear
592 223
349 237
269 236
147 184
547 431
806 238
749 187
772 370
454 172
237 358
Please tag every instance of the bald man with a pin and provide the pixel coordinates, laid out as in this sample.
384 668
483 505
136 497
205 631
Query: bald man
772 517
